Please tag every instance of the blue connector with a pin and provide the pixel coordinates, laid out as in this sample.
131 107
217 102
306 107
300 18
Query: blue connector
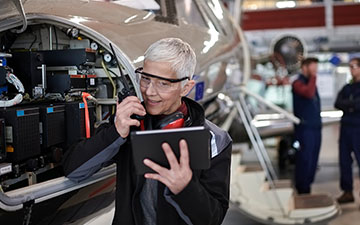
2 61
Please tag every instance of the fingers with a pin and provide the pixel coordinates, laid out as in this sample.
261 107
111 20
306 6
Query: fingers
162 174
155 176
184 153
130 122
174 164
129 106
156 167
179 175
130 99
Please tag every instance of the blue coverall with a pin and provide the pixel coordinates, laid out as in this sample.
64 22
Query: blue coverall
306 106
348 100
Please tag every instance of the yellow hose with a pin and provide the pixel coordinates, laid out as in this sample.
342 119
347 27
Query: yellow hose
112 82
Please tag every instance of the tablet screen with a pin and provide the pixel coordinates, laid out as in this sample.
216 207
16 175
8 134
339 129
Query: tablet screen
147 144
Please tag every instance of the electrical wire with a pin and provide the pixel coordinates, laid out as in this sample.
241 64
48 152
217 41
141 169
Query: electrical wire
33 40
117 75
88 96
111 81
12 79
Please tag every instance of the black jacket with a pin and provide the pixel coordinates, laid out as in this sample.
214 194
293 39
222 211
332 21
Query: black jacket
203 201
348 100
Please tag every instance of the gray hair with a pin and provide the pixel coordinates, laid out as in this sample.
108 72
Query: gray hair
176 52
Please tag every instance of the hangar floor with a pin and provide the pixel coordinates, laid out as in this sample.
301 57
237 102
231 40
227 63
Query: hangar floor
327 180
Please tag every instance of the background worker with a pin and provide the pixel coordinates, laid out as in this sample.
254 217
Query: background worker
307 107
348 100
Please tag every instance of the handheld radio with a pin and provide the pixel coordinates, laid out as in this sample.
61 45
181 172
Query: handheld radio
126 91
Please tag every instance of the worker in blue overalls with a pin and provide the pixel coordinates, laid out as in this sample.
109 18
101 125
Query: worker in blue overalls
306 103
348 100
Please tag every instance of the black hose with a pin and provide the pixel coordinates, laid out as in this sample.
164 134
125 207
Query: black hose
33 40
56 38
117 75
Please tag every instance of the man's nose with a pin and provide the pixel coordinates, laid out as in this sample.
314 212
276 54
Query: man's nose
151 89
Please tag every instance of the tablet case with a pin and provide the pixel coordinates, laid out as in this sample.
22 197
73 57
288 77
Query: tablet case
147 144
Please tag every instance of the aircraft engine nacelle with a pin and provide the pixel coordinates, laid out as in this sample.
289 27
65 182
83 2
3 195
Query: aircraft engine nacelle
287 52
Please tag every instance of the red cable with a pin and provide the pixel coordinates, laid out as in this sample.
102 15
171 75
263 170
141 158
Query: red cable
87 120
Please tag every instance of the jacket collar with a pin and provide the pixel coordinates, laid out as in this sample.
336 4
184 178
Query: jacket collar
196 113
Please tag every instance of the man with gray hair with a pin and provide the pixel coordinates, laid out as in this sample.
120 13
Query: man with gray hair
178 195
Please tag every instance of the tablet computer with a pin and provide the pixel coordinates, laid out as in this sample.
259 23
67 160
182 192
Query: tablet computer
147 144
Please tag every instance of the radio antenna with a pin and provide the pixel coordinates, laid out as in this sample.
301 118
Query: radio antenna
122 76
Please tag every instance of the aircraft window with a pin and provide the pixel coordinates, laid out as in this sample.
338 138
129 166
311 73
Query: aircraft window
216 76
188 12
213 71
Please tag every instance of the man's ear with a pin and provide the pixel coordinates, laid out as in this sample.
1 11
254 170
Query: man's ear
187 87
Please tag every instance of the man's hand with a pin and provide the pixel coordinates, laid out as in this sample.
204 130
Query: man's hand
129 106
179 175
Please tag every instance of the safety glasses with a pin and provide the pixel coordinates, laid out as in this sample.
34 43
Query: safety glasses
161 84
353 66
